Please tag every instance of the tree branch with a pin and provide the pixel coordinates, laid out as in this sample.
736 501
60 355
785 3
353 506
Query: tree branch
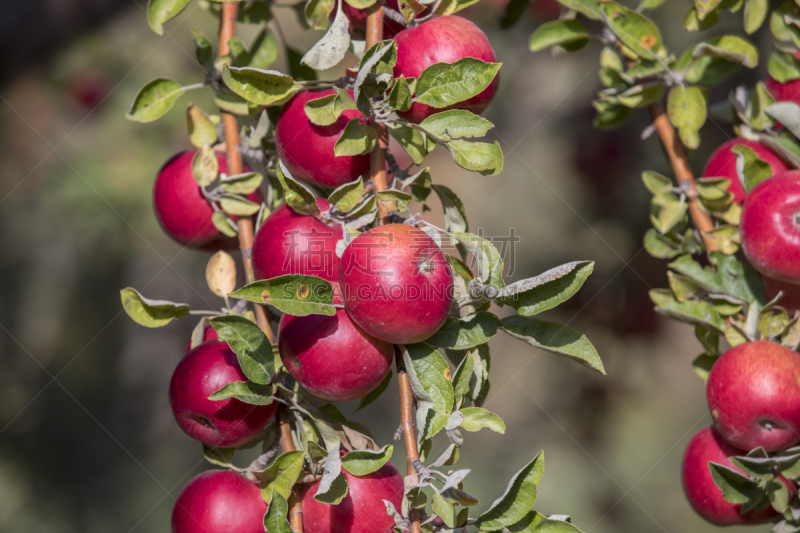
407 423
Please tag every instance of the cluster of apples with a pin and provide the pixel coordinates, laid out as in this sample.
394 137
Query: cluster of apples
394 283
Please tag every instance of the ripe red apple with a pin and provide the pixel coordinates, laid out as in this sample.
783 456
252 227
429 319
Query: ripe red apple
290 243
443 40
396 283
183 211
219 501
722 164
753 393
209 334
225 423
358 20
770 227
362 510
698 485
307 149
790 299
331 356
784 92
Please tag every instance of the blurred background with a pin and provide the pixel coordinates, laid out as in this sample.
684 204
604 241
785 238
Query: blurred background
87 439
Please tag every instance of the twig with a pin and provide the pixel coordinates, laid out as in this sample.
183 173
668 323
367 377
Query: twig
287 445
407 423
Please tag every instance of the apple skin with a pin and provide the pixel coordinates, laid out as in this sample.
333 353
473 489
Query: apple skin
331 356
290 243
790 300
443 40
753 393
770 227
396 283
225 423
209 334
362 510
358 20
219 501
701 491
307 149
722 164
181 209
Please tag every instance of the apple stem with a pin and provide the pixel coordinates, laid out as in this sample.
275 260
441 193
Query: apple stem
683 174
407 424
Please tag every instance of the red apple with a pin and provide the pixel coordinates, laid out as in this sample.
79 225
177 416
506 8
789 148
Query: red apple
362 510
209 334
290 243
183 211
785 92
770 227
722 164
443 40
331 356
753 393
396 283
225 423
358 20
307 149
698 485
219 501
790 299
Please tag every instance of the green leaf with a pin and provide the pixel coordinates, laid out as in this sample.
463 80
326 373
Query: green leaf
490 263
730 276
160 11
224 224
777 21
245 183
455 215
219 456
326 110
480 157
465 333
151 313
297 195
275 518
752 169
456 124
706 7
373 395
400 198
445 510
420 184
346 197
201 130
695 312
692 23
642 95
205 167
736 488
232 103
203 50
430 382
668 212
518 499
356 139
401 95
567 33
755 12
412 140
610 116
538 523
281 474
656 183
731 48
462 379
686 107
363 462
635 30
553 338
333 485
244 391
589 8
477 418
317 13
264 51
538 294
331 49
442 85
295 294
251 346
783 66
154 100
238 205
262 87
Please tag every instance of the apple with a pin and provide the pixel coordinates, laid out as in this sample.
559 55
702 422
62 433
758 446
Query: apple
722 164
443 40
219 501
396 283
770 227
181 209
790 299
225 423
331 356
209 334
362 510
785 92
701 491
358 20
753 393
291 243
307 149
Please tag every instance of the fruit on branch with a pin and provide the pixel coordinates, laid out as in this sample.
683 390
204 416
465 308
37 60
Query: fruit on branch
307 149
331 356
209 334
700 489
224 423
361 510
722 164
770 227
358 20
183 211
753 393
219 501
790 297
443 40
396 283
291 243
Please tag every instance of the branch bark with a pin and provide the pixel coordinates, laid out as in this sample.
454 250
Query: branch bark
287 445
407 423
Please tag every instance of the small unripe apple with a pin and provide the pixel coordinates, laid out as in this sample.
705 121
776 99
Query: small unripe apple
331 356
396 283
209 334
181 209
790 297
722 164
770 227
307 149
219 501
700 489
290 243
224 423
362 510
753 393
443 40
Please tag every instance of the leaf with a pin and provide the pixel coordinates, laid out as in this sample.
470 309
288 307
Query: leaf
553 338
151 313
203 50
346 197
238 205
295 294
201 130
731 48
245 183
221 273
456 124
251 346
160 11
331 49
401 95
518 499
219 456
262 87
465 333
635 30
373 395
455 215
326 110
706 7
669 213
730 276
224 224
686 107
400 199
356 139
333 485
567 33
589 8
373 63
477 418
538 294
490 263
442 85
692 23
736 488
788 113
751 169
480 157
154 100
538 523
244 391
412 140
783 66
430 382
695 312
205 167
317 13
264 51
275 517
642 95
281 474
363 462
755 12
298 196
